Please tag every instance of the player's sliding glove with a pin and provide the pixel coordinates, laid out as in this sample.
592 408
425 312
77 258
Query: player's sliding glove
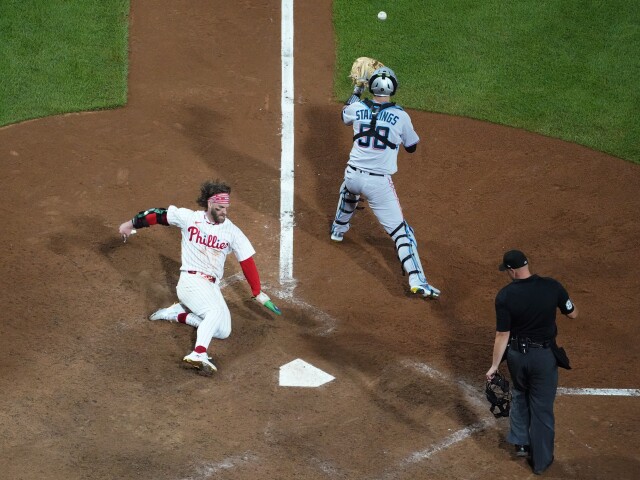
263 299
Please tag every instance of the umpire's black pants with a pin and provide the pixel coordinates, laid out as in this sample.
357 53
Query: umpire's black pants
534 378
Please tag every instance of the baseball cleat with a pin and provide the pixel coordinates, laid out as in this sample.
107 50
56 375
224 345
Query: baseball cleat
426 291
170 313
201 362
337 236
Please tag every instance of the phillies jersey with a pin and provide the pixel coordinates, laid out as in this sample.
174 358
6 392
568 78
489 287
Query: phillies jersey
369 153
205 245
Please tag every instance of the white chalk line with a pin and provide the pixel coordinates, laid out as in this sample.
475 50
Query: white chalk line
452 439
208 470
471 393
449 441
606 392
287 146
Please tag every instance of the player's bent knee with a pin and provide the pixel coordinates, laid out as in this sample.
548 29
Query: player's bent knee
223 333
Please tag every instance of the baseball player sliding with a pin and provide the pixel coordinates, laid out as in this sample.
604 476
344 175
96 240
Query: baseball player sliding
379 127
207 238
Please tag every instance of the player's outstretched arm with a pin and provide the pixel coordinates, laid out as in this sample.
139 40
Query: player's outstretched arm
251 274
143 219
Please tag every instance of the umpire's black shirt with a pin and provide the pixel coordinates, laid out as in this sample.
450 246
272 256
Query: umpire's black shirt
527 307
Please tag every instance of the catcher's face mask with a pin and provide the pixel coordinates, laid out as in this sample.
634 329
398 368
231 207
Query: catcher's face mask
499 395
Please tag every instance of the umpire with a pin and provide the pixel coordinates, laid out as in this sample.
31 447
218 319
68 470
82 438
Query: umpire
526 324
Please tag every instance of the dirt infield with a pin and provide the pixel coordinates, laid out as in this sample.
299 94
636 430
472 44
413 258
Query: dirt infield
92 390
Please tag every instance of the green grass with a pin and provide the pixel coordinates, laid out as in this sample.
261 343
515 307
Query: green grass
564 68
59 56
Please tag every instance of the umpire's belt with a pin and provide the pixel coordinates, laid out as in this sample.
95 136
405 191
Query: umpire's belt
362 171
514 341
211 278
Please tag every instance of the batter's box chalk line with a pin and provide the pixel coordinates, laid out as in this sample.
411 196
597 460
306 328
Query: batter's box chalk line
604 392
209 470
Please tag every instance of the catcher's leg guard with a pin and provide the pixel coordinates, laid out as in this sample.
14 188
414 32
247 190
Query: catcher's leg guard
407 250
347 205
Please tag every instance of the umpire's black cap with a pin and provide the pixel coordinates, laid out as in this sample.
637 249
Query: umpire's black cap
513 259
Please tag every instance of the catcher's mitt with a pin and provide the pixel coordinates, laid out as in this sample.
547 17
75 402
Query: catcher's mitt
362 69
499 395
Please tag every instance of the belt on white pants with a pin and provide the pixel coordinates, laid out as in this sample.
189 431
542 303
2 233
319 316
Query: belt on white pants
364 171
211 278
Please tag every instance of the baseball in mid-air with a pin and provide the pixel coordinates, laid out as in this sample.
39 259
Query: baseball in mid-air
382 15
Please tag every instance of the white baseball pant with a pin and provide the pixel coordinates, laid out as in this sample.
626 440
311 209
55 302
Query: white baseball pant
380 193
205 300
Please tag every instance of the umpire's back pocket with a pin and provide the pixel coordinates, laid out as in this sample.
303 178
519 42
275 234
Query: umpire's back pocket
561 356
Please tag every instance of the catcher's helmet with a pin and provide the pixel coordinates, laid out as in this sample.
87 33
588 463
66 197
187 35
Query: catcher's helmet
383 82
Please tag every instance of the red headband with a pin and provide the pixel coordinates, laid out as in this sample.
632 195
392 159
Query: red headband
220 198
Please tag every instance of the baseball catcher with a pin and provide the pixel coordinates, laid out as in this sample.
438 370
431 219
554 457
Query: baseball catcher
380 127
499 395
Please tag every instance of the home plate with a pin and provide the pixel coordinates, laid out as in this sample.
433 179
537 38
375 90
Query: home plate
299 373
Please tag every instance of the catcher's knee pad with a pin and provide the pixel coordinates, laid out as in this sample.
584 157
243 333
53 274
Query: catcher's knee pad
407 250
346 207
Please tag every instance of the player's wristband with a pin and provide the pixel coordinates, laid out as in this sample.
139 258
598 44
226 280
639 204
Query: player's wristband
150 217
262 298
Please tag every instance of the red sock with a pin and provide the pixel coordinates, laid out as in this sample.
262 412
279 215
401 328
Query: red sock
182 317
200 349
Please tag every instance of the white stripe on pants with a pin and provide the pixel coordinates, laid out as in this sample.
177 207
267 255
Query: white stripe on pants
205 299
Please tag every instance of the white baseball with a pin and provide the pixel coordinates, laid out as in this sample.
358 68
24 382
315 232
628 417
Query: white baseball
382 15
